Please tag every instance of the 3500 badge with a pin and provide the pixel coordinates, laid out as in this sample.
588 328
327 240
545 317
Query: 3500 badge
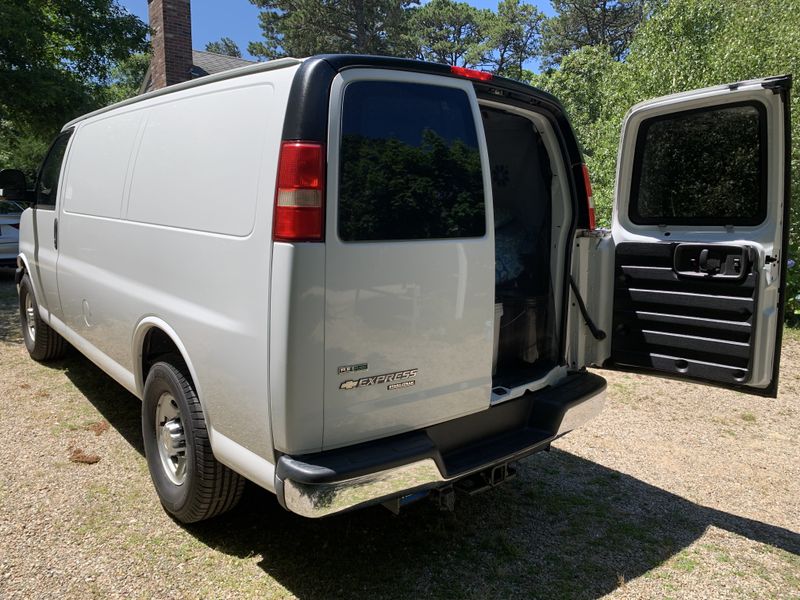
389 378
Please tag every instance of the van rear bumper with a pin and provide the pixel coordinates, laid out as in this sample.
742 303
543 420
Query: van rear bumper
317 485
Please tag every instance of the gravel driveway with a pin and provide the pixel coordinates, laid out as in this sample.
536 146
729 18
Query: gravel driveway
675 491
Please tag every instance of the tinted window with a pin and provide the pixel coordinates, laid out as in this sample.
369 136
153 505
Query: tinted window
47 182
7 207
409 164
701 167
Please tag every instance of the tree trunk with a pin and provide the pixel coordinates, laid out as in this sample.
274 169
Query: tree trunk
361 27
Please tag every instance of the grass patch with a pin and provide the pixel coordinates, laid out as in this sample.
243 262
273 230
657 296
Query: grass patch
684 562
789 558
748 417
623 393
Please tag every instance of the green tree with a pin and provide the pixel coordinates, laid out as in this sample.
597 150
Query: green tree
513 35
224 46
586 85
126 77
306 27
21 149
578 23
55 55
683 45
55 59
696 43
449 32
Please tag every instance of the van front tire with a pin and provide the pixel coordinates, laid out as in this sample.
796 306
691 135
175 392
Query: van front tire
191 484
41 341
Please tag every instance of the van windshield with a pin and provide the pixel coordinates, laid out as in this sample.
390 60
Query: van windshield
409 164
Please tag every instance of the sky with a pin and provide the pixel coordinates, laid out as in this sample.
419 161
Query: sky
238 19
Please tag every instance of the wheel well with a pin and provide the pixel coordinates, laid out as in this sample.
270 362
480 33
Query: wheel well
22 270
158 346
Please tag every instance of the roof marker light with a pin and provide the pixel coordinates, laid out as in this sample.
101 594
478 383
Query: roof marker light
471 73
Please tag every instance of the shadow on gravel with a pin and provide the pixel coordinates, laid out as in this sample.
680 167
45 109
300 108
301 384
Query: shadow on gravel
567 527
9 310
118 406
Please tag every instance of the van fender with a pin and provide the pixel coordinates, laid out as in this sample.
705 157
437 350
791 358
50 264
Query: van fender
145 325
22 268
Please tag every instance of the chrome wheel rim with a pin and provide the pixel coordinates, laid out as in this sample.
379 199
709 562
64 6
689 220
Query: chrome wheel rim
170 438
30 317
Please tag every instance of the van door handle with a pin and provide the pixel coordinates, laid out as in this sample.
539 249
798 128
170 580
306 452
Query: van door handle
710 269
55 234
703 263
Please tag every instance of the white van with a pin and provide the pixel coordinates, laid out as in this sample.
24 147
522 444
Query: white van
357 280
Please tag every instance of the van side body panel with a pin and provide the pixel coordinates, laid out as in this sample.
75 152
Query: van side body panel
297 346
185 239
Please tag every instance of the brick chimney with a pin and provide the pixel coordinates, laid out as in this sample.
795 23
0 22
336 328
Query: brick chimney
171 31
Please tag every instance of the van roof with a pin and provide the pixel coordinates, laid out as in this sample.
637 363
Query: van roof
270 65
338 62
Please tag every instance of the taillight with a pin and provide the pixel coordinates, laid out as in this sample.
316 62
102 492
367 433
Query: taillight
471 73
300 193
587 183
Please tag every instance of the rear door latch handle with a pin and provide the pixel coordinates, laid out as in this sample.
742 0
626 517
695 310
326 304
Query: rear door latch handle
703 259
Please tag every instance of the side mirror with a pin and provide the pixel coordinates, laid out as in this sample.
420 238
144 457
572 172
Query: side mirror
13 185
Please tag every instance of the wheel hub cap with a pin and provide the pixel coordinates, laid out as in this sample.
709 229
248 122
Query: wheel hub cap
30 317
170 438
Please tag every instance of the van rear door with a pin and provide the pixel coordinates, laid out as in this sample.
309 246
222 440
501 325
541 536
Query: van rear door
700 232
409 266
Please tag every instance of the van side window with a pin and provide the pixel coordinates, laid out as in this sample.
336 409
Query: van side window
701 167
409 164
47 181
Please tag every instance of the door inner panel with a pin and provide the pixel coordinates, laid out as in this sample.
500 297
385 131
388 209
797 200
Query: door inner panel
686 309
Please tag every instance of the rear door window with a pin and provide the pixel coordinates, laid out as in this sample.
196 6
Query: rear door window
409 164
701 167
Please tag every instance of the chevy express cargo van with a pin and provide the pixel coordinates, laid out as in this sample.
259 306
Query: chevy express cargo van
356 280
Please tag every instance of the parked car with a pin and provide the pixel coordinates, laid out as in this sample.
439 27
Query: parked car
10 213
358 280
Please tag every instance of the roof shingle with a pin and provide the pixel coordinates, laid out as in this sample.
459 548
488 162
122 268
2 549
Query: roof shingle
208 63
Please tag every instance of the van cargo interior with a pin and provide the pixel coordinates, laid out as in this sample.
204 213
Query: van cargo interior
524 301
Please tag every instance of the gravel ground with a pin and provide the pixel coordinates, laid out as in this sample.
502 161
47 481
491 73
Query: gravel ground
675 491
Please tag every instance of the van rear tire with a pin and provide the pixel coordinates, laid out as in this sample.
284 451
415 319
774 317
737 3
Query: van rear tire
191 484
41 341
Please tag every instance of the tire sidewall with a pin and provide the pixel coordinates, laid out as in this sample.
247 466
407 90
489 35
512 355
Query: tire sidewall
163 378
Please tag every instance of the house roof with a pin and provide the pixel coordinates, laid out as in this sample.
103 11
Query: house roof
203 63
208 63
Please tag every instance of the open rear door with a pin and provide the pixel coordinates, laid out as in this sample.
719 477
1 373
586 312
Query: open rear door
700 233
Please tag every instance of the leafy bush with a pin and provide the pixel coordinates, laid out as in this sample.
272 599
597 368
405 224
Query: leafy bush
686 44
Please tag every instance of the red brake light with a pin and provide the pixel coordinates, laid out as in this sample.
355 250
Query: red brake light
471 73
587 183
300 193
